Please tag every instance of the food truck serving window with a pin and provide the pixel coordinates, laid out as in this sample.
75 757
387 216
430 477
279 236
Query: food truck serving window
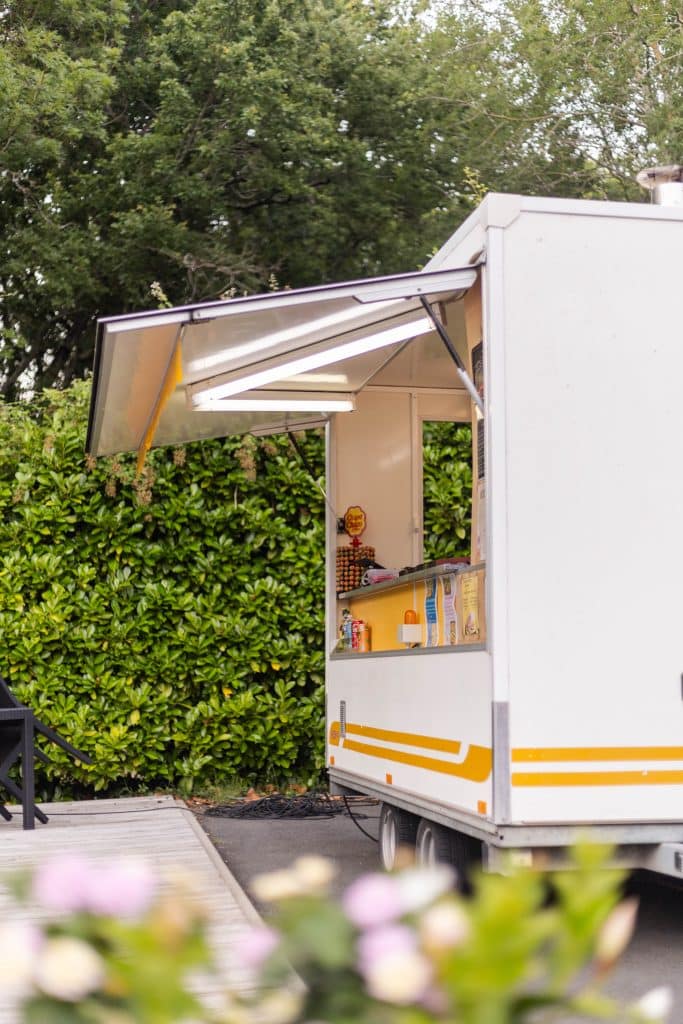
267 362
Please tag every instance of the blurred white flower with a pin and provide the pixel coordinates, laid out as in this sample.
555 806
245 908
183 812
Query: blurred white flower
443 926
419 886
314 873
19 944
68 969
281 1006
616 932
655 1005
276 885
400 977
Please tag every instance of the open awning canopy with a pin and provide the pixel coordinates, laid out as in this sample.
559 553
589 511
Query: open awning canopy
283 360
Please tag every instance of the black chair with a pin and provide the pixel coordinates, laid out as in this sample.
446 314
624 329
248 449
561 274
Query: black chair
18 729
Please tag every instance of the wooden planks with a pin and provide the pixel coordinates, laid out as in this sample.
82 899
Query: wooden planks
160 829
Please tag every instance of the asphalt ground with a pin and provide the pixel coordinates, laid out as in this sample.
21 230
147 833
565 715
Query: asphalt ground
654 957
251 847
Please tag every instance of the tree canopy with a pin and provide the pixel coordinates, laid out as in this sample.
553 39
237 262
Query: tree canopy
214 146
209 145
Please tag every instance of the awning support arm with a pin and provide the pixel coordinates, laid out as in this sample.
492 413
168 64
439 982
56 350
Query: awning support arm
459 365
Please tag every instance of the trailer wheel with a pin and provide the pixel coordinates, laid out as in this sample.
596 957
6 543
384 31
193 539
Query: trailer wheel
436 844
396 828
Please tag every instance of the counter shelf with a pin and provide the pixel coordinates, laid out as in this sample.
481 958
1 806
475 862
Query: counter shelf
450 618
410 577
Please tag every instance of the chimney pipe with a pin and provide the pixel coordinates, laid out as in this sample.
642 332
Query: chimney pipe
664 183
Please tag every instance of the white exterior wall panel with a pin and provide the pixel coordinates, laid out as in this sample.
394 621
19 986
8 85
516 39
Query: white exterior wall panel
594 366
442 696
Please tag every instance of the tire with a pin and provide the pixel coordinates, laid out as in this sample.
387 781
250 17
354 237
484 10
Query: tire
397 828
436 844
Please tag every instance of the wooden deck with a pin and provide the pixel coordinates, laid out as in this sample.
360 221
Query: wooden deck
160 829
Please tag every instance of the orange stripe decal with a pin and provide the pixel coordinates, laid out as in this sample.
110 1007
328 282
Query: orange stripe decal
410 739
476 767
635 778
526 754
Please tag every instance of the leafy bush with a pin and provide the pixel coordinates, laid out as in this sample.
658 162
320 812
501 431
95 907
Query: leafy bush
171 626
447 486
402 949
106 943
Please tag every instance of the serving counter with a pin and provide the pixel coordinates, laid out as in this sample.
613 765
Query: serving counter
448 602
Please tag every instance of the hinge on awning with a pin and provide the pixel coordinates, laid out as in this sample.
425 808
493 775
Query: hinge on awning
459 365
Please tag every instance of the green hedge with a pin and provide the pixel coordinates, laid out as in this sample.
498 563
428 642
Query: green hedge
172 627
447 486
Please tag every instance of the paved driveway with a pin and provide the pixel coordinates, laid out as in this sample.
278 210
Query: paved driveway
250 847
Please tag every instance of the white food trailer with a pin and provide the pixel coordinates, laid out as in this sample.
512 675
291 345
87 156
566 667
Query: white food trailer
540 691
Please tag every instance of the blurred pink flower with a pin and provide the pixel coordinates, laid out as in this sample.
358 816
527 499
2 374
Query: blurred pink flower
124 887
372 900
384 941
62 883
255 947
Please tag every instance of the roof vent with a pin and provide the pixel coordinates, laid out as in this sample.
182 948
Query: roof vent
664 183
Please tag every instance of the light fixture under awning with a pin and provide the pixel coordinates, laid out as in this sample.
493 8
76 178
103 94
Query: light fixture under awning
264 362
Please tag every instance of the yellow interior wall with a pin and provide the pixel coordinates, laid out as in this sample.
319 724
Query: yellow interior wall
384 611
384 614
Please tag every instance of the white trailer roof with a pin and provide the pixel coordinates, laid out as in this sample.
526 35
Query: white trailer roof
265 362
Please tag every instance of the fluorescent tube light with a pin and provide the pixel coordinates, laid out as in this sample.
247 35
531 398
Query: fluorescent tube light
322 378
226 355
276 405
323 357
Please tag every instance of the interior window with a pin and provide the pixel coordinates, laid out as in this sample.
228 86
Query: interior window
446 489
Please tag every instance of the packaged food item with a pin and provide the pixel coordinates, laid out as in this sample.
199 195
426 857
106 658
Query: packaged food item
364 644
346 631
349 569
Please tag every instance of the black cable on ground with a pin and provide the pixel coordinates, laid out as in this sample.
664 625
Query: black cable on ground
356 823
307 805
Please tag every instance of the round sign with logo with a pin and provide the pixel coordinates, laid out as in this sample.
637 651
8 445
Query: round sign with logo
355 521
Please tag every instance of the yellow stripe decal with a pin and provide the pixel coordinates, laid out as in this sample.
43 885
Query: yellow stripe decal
597 754
628 778
410 739
476 767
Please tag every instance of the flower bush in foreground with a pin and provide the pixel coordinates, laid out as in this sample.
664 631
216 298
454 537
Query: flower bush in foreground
405 949
120 941
116 947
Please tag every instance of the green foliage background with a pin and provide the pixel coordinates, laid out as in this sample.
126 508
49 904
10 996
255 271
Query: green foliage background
172 627
447 489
